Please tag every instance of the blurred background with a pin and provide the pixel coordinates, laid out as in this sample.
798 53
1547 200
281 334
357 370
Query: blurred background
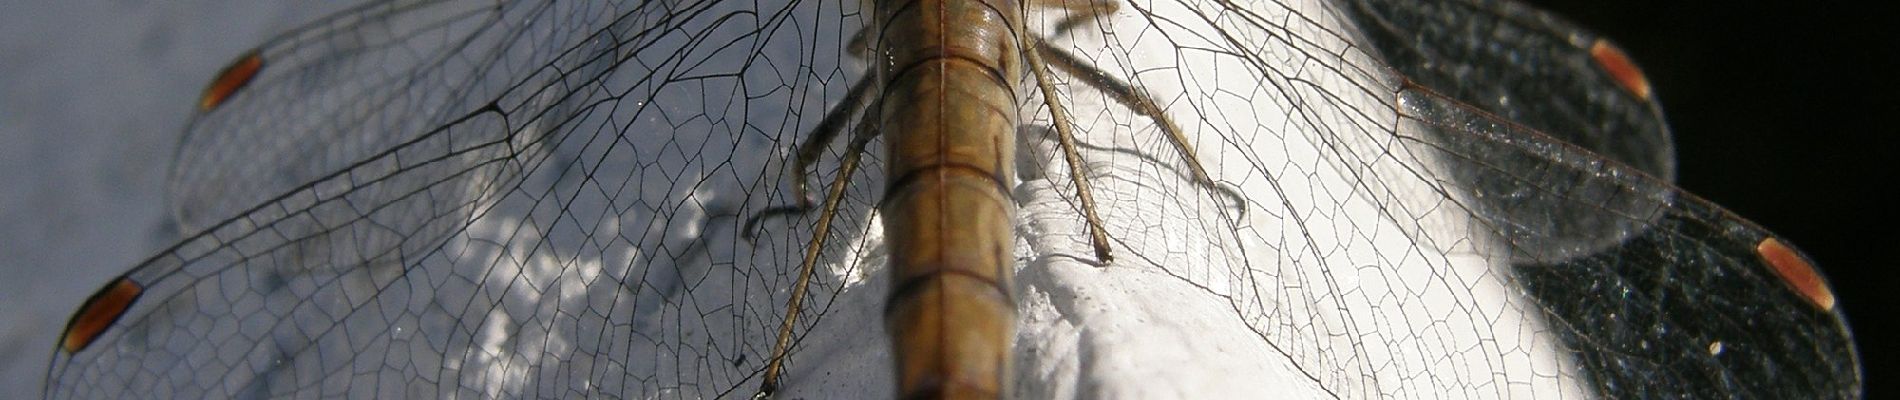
1783 115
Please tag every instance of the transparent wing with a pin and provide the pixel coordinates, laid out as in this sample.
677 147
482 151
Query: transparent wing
427 199
1691 275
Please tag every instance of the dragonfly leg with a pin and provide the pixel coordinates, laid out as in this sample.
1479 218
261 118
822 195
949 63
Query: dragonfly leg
808 153
1098 237
854 151
1081 12
1134 98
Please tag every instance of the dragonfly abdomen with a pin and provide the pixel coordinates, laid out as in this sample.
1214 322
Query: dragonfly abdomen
948 114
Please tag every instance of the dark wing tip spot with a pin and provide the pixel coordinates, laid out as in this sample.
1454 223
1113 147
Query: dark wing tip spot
232 78
1612 60
100 311
1797 272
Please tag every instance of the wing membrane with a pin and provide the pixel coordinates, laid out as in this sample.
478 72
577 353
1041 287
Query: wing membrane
540 200
427 199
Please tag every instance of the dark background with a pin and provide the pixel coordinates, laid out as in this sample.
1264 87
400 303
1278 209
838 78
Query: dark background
1787 115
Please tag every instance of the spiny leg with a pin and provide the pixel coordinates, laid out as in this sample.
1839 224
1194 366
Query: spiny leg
808 153
853 152
1098 237
1142 103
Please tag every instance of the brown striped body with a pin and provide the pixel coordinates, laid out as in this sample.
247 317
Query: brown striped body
949 115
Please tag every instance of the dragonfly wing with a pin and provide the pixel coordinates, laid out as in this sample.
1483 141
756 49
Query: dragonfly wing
1350 269
1702 311
544 199
337 92
1395 240
1692 301
1525 66
495 199
1532 69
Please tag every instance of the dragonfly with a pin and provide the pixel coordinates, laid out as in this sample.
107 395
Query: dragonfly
465 198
